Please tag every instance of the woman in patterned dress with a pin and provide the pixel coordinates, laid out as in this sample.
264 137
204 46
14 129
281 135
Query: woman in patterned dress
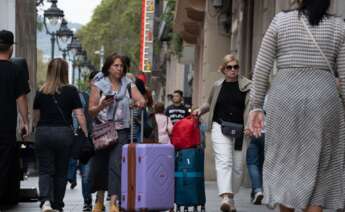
305 127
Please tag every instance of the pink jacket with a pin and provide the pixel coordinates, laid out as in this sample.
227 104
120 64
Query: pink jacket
165 126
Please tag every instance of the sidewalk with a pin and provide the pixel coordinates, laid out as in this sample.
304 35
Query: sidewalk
74 202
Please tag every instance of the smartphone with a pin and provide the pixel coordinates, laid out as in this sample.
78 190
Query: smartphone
109 96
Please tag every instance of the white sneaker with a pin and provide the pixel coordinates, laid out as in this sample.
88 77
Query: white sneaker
258 198
227 205
46 207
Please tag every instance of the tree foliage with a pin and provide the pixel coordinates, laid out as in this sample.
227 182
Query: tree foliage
115 24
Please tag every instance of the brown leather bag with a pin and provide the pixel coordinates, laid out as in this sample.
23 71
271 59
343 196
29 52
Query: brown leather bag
104 135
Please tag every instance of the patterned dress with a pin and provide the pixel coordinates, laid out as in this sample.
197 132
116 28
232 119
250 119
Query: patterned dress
304 147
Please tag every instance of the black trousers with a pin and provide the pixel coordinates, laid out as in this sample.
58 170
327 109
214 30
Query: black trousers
9 169
106 166
53 147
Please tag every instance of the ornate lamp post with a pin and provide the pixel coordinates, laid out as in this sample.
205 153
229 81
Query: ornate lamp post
74 47
52 18
81 59
64 36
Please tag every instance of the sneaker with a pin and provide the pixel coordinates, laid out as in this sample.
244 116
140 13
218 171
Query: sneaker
99 207
46 207
258 198
225 204
87 207
232 205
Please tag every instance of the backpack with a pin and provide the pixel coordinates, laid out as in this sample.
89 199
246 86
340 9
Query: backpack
186 133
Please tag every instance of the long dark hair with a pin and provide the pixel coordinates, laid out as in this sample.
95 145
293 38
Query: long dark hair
315 10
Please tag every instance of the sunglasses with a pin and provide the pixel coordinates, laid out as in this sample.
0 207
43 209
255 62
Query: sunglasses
230 67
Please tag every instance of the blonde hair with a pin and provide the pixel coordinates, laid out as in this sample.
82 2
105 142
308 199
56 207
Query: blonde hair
228 58
57 76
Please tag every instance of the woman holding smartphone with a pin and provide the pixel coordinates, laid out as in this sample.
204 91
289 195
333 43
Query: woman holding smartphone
110 94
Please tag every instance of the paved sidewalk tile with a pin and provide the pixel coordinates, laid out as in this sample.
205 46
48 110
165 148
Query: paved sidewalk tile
74 202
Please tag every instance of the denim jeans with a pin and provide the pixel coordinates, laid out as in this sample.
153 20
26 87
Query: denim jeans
255 160
86 182
85 177
72 170
53 146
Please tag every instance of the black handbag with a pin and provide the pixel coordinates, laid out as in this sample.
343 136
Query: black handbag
232 129
82 147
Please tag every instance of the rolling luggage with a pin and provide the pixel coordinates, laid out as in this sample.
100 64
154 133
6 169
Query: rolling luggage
147 177
189 179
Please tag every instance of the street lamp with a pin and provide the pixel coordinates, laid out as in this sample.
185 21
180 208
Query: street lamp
64 36
74 47
52 17
81 59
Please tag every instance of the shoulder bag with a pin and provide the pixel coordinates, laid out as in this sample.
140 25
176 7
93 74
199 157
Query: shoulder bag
104 133
232 129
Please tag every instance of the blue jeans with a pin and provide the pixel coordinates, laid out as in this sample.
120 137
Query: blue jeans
255 160
72 170
86 182
85 178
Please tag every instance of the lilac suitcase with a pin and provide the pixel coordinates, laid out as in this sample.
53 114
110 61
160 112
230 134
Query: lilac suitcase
147 177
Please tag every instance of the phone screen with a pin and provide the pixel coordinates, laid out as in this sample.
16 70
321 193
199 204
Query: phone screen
109 96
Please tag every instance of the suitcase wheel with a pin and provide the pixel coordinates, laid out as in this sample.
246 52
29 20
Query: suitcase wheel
185 209
203 208
195 209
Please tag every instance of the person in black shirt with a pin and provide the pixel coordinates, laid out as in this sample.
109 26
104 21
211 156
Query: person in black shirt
13 89
53 106
228 101
177 110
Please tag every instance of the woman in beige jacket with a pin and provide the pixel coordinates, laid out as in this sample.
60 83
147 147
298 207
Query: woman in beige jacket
228 101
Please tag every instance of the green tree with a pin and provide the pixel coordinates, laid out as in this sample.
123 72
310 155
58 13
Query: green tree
42 67
115 24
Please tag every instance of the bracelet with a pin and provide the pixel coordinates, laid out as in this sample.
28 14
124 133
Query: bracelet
257 110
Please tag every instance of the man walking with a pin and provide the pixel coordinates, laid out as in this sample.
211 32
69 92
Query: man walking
13 90
177 110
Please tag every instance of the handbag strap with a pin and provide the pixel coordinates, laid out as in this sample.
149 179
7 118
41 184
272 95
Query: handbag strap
317 45
61 113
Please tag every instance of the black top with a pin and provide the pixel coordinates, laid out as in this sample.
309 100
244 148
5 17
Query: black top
68 100
230 103
176 113
13 84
